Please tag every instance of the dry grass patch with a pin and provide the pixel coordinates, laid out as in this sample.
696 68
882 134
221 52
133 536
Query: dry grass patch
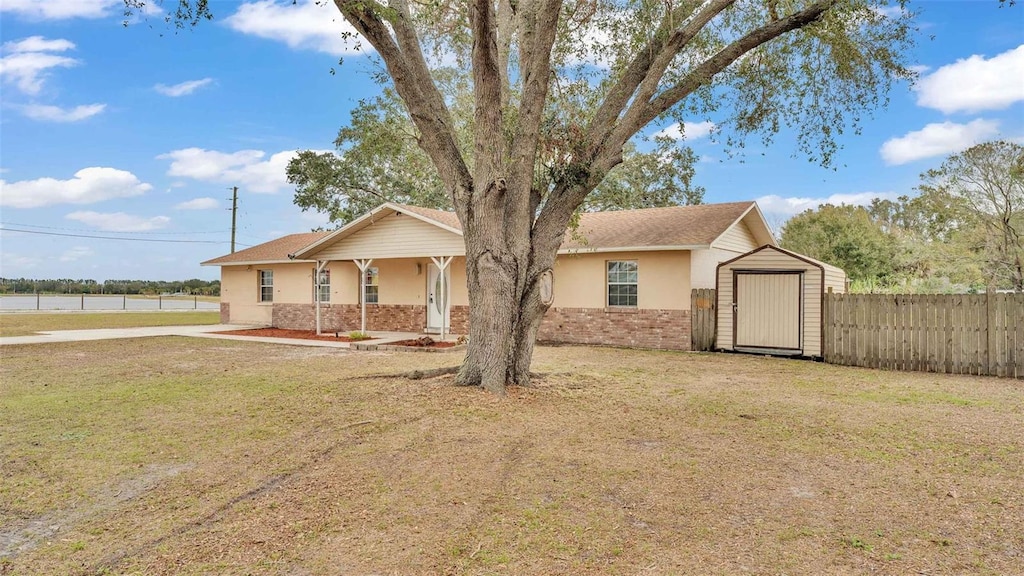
21 324
248 458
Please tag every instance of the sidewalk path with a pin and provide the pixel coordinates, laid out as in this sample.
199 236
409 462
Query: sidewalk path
115 333
207 331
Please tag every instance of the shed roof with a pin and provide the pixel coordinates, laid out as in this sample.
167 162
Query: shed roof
823 265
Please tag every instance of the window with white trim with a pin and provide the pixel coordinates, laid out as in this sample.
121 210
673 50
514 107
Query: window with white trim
324 284
266 285
371 288
622 283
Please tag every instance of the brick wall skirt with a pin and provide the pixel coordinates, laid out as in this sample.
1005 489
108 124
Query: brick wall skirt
225 312
658 329
348 317
459 318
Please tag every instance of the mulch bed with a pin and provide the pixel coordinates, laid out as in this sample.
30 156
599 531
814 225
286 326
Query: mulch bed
422 343
297 334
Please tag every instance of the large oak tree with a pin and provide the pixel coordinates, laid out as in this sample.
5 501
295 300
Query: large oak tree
616 67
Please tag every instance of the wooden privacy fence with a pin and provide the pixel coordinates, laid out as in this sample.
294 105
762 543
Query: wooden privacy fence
952 333
703 319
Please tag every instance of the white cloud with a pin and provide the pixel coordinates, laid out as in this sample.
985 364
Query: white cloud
889 11
779 206
119 221
183 88
38 44
17 262
974 83
48 113
59 9
89 185
26 61
937 140
314 219
305 25
689 130
245 168
76 253
198 204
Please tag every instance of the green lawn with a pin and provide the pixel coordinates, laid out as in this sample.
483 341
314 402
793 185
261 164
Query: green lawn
20 324
195 456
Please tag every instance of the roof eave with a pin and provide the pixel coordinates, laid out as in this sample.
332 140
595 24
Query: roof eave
253 262
589 250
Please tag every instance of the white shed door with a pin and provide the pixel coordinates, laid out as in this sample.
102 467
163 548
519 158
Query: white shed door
767 311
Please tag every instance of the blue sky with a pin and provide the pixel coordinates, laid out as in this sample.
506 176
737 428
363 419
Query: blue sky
138 132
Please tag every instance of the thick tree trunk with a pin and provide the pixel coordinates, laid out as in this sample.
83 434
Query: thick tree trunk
505 311
503 329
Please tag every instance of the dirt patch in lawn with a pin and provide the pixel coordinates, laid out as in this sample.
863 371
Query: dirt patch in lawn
614 462
295 334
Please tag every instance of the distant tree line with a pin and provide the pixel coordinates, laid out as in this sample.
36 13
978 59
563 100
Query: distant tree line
88 286
962 232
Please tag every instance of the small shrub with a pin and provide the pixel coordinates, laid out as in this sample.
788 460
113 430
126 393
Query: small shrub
357 335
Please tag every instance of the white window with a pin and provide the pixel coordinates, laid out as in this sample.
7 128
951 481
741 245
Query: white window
266 285
371 290
622 283
324 284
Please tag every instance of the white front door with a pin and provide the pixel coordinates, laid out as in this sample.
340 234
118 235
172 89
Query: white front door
438 302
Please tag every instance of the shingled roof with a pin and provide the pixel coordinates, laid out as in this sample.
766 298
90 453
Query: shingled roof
449 219
674 227
268 252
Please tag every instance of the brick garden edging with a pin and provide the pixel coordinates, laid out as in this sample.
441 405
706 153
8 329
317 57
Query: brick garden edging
397 348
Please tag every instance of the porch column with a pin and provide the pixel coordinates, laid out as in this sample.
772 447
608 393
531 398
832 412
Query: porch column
442 263
363 265
320 265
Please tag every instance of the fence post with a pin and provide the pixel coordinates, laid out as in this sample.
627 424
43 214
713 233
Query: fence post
990 333
160 302
82 306
195 302
124 301
37 300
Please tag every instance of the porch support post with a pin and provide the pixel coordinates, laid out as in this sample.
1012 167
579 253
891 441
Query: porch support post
442 263
320 265
363 265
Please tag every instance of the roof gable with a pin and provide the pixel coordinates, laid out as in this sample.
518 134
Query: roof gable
381 234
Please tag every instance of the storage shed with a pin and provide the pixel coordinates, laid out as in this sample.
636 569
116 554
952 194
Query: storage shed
770 302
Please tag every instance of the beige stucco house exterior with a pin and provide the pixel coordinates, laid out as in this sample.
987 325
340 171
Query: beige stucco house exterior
621 278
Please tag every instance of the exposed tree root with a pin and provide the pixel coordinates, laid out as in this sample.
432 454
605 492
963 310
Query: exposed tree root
431 373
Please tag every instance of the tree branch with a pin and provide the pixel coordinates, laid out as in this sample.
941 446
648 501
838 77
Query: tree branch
650 63
408 69
720 61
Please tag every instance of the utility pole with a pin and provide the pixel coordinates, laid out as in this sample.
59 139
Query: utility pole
234 215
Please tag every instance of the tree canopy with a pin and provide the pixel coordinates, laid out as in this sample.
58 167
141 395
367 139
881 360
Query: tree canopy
379 160
560 87
985 186
964 228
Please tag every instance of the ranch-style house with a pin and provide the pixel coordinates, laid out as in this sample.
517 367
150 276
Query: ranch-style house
621 278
